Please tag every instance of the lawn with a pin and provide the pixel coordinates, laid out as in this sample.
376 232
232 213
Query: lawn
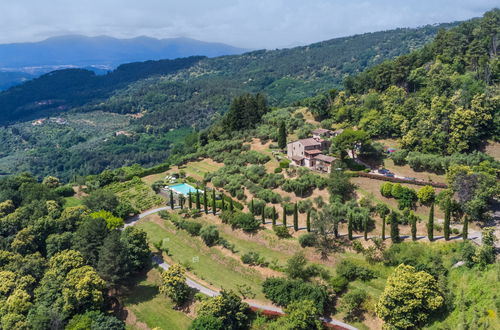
407 171
72 201
152 308
196 170
264 241
209 264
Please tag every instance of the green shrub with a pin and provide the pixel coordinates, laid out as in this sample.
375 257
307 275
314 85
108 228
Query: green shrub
396 190
338 284
304 205
65 191
278 170
352 304
399 157
307 240
351 271
285 163
281 231
283 291
253 258
269 196
209 234
386 189
245 221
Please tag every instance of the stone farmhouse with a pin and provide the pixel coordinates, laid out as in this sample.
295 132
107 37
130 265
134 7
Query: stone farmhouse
310 152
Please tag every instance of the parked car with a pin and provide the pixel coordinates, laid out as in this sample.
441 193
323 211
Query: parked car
389 175
383 171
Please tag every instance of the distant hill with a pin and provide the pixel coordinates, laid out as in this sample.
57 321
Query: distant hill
99 54
84 51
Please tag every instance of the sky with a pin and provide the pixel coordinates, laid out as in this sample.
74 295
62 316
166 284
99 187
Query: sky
251 24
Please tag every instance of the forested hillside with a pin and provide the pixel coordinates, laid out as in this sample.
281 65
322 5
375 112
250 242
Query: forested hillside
443 98
176 95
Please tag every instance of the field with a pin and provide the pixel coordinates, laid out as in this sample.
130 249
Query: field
205 263
137 193
147 308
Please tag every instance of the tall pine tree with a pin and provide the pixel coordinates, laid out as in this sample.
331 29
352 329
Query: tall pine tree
465 229
282 135
349 226
384 220
113 263
198 203
413 222
365 228
171 199
214 203
308 221
274 216
295 218
190 200
394 227
430 224
263 215
284 216
447 218
205 200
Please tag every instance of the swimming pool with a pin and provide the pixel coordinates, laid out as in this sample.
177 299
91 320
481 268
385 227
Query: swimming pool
183 188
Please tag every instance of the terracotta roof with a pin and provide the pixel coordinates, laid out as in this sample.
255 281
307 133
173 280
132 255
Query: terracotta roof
297 158
321 131
309 142
312 152
325 158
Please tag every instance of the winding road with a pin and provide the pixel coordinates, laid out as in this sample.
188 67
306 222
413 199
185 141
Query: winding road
212 293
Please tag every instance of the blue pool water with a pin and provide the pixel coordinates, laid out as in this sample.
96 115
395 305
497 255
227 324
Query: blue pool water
183 188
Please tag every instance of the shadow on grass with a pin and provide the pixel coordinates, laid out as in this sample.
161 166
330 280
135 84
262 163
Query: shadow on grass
141 293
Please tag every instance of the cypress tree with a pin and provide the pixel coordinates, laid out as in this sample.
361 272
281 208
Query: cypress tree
430 224
384 219
231 205
205 200
413 220
365 228
172 199
447 216
222 202
282 136
214 203
296 218
190 200
465 229
308 221
274 216
284 216
198 204
349 226
394 228
264 215
181 201
252 207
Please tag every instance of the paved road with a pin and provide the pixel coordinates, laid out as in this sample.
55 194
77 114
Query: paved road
212 293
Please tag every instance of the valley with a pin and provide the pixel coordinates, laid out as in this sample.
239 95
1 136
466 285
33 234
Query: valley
348 184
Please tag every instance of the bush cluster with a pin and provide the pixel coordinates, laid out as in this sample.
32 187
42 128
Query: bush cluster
282 292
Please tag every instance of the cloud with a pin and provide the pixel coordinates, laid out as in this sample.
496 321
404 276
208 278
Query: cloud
244 23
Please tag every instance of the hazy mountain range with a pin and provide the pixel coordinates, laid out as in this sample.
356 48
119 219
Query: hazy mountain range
22 61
